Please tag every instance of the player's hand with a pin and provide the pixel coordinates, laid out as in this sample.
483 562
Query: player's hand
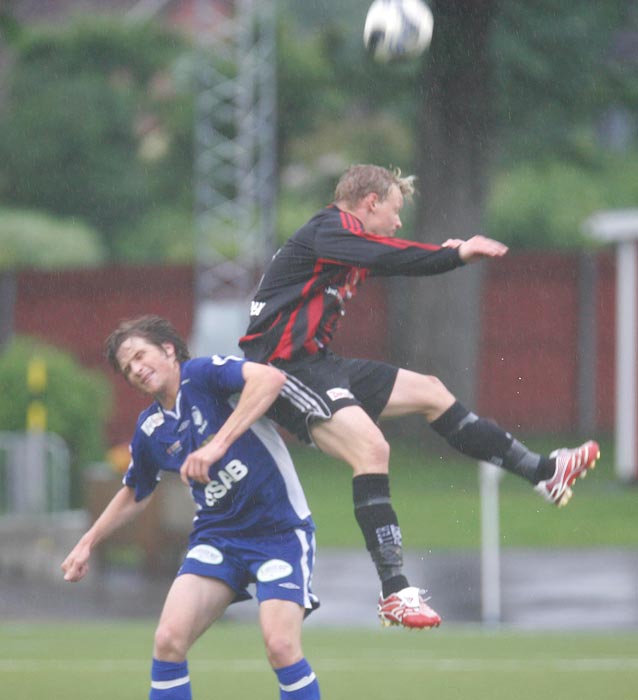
197 464
477 248
76 565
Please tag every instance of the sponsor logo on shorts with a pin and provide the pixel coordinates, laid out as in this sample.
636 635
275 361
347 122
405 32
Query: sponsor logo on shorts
339 393
289 584
273 569
206 554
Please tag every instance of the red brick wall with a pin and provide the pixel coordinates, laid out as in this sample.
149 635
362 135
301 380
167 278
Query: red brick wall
76 311
528 374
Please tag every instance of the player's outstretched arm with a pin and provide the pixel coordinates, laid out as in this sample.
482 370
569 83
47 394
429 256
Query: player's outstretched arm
262 387
477 248
121 510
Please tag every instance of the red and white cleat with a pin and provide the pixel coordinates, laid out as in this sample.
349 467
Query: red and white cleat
408 608
570 465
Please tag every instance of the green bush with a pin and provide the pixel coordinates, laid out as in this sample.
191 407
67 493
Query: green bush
77 401
543 205
33 239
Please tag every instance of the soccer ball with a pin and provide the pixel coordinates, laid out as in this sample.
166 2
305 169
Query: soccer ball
397 29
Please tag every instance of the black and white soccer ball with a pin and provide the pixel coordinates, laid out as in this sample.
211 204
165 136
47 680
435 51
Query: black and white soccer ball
397 29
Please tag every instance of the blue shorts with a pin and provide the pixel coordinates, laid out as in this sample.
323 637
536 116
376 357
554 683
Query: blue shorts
279 565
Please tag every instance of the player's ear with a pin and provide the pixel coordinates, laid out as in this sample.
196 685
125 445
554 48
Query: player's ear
371 200
169 349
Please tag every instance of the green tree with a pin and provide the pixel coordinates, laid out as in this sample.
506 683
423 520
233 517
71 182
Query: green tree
477 100
97 125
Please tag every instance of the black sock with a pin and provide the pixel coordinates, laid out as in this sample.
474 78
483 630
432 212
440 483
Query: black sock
485 440
379 525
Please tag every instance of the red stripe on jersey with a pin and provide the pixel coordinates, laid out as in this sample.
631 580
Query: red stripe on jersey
396 242
285 346
351 223
315 313
247 338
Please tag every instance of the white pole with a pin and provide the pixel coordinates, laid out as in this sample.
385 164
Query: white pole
489 477
626 357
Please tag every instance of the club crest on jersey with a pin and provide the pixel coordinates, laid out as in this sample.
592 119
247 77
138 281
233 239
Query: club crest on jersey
339 393
198 420
152 422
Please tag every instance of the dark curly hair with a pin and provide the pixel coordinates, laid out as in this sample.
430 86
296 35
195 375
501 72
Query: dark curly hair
154 329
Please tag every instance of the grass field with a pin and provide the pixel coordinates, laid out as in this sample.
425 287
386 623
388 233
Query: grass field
437 500
111 660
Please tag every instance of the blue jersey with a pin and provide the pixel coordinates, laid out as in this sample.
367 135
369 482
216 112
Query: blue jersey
254 488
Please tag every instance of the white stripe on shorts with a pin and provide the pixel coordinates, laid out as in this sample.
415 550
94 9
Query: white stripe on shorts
303 398
302 536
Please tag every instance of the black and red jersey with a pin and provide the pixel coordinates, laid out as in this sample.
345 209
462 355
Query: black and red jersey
303 292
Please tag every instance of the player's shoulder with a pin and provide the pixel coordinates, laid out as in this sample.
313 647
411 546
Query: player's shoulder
327 216
211 371
148 421
198 365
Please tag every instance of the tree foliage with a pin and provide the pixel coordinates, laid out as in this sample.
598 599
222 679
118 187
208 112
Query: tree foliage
557 69
77 400
34 239
95 125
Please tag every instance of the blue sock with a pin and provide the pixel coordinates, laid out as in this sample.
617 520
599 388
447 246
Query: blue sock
170 681
298 682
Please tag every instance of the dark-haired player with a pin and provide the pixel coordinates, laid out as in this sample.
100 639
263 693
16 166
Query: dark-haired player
252 523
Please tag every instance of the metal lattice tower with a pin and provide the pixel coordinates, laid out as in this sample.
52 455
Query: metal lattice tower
235 159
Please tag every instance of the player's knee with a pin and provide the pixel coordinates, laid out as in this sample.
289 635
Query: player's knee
377 452
282 650
169 645
369 453
434 395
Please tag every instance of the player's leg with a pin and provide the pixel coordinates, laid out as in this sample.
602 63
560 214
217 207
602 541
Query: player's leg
281 622
485 440
351 435
282 567
193 603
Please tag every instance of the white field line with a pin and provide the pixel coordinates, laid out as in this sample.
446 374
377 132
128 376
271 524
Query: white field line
595 665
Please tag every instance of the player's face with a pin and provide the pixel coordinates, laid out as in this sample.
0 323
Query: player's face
149 368
384 214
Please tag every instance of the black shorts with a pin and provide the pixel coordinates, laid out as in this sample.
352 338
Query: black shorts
321 384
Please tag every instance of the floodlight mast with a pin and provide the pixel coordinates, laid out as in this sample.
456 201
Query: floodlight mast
235 150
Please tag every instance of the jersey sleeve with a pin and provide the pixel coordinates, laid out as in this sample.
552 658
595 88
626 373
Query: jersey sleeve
220 374
340 238
142 474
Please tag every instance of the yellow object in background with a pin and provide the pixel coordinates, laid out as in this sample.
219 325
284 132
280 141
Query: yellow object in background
37 384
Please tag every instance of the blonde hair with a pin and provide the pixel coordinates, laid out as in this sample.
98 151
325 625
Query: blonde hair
359 180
